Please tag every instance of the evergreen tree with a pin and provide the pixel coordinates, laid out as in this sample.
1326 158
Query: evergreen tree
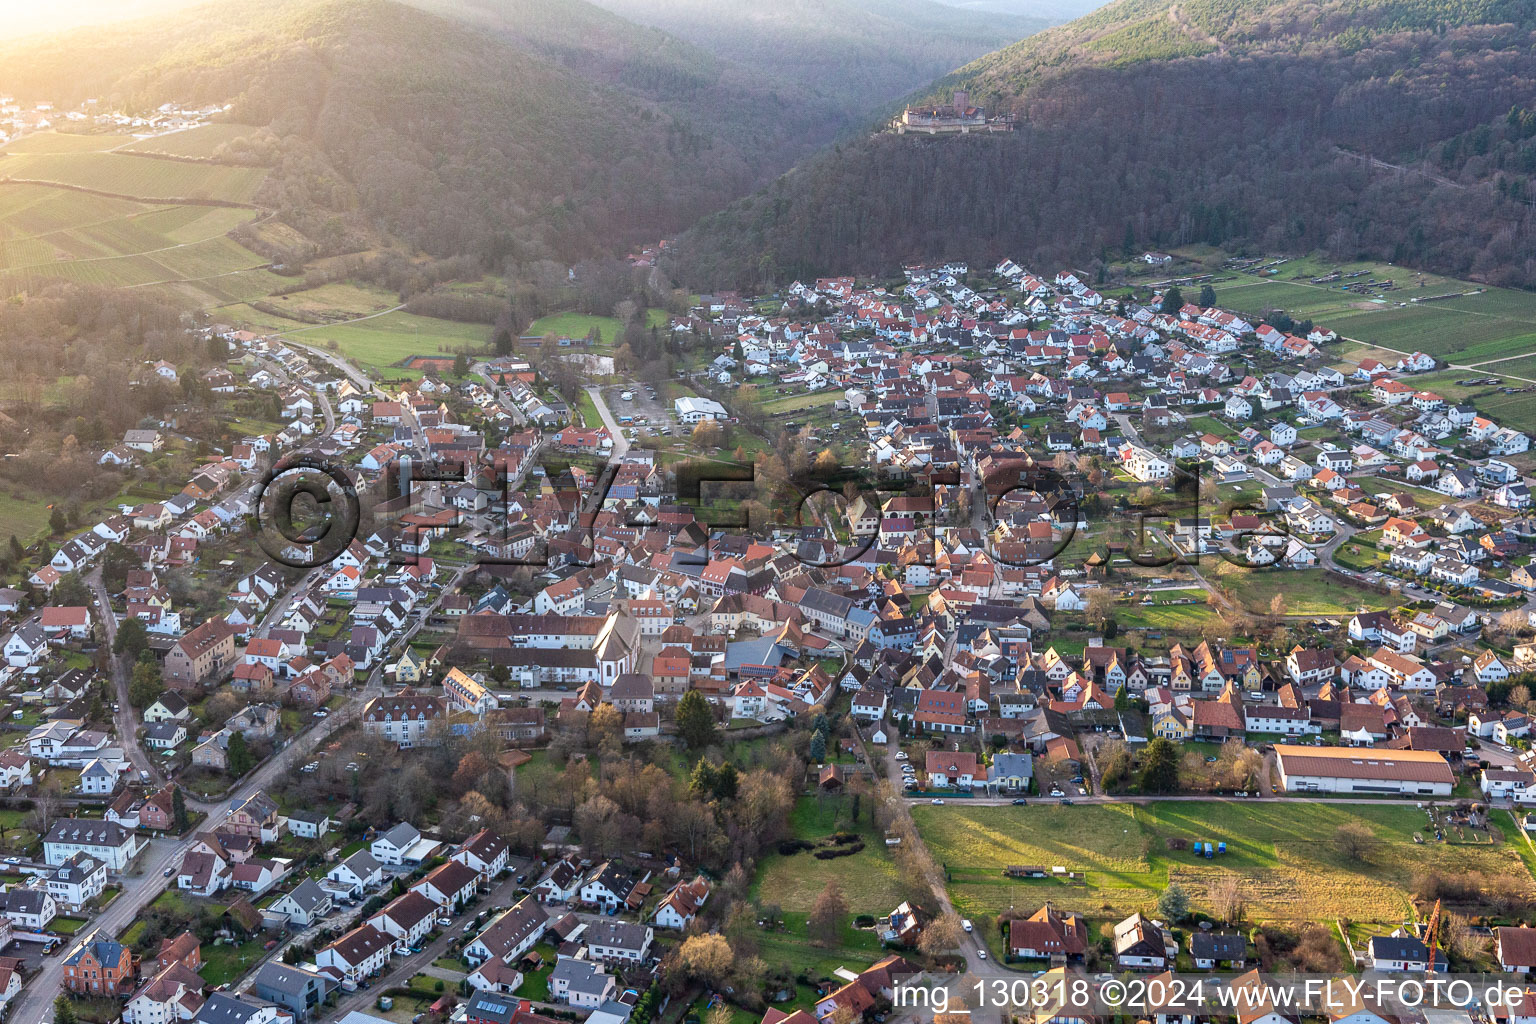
57 523
238 754
17 551
132 638
64 1011
695 720
179 810
726 781
818 747
145 686
702 782
1160 767
1207 296
1173 301
1173 904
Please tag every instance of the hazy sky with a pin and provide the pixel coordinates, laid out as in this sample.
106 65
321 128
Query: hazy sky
28 17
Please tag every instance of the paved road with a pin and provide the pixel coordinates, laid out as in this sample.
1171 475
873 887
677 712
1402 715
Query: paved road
123 718
620 442
500 393
148 880
402 968
355 375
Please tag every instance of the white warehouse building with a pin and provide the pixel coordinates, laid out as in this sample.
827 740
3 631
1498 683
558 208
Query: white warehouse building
692 409
1363 770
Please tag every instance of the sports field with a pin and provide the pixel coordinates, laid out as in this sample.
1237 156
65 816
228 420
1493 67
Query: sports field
1283 855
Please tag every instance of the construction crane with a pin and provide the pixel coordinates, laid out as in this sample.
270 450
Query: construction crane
1432 935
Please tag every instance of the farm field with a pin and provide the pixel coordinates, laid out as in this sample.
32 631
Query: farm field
1518 366
338 301
1518 410
65 142
1282 854
1486 323
198 143
140 177
58 234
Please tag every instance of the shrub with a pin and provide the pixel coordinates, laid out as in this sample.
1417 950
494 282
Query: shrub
790 847
839 851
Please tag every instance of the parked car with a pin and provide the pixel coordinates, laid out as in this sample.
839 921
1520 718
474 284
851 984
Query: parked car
937 801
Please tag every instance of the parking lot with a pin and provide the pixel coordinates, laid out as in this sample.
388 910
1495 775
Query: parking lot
641 405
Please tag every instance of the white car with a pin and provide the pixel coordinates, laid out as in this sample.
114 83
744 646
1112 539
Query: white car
1057 792
937 801
981 954
901 755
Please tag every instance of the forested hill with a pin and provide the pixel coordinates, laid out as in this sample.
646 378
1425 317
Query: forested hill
857 54
539 128
1149 124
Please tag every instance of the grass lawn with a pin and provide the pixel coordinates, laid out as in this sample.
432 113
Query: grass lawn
67 925
1307 591
790 946
537 775
1426 498
1212 425
579 325
794 403
25 517
587 409
173 901
1174 617
535 986
381 342
700 1008
1282 854
868 878
223 964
